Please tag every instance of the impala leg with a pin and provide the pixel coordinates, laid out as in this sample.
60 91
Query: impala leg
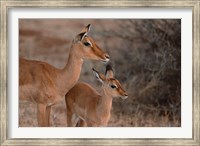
48 111
69 117
72 118
81 123
41 115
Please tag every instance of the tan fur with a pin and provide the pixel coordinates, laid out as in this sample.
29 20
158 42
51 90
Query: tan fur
46 85
90 108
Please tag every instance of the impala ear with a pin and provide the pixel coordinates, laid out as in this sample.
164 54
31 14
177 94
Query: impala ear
82 34
86 29
109 72
79 37
99 76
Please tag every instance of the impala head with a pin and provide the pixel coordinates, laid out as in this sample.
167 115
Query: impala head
87 48
111 85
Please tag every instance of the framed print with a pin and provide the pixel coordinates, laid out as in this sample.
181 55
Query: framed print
70 59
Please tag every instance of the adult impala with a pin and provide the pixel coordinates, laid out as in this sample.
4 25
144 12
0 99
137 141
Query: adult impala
90 108
46 85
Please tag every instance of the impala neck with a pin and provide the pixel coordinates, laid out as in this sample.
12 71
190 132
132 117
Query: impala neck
106 100
71 72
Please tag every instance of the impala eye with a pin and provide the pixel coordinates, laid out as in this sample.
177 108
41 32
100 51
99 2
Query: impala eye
113 86
86 44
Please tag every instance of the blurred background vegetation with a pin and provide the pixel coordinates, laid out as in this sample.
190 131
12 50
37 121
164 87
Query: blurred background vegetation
145 54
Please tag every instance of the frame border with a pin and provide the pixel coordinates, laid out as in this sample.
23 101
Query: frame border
5 5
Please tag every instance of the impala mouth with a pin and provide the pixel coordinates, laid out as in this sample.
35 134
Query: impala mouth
105 60
124 97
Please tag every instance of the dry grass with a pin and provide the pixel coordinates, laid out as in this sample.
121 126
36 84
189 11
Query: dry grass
146 55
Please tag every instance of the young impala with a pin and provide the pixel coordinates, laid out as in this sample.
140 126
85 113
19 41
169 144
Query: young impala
90 108
46 85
